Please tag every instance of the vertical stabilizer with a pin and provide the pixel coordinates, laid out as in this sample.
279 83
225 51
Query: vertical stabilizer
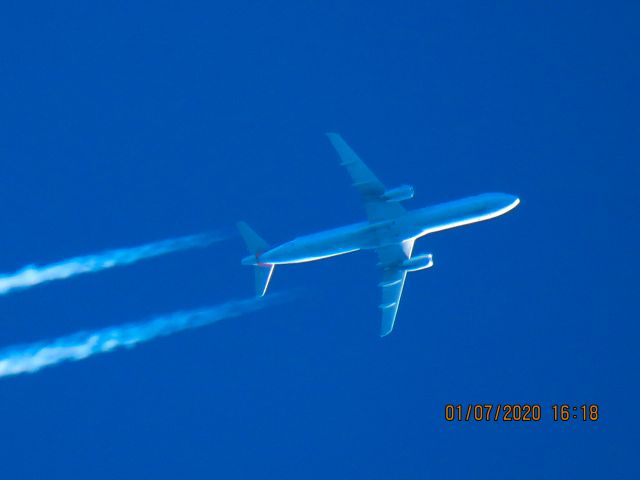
256 245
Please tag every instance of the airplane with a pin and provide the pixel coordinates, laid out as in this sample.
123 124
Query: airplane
390 230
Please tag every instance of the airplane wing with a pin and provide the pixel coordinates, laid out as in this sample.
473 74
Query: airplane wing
391 256
370 187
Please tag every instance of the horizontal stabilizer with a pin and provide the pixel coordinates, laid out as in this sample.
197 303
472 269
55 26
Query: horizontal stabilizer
254 242
256 245
263 277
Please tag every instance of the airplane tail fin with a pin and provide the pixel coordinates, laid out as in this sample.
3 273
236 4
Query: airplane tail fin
256 245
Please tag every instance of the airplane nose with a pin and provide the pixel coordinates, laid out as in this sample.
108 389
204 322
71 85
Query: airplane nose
513 201
508 202
502 202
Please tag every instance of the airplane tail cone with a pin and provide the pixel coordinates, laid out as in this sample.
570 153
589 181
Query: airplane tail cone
256 245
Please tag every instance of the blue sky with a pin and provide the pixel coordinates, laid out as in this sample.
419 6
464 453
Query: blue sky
124 123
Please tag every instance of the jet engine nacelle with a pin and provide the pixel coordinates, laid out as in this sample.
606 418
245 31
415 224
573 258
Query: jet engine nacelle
418 262
398 194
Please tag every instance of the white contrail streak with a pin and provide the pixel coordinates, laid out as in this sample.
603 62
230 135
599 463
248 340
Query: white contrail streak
32 357
34 275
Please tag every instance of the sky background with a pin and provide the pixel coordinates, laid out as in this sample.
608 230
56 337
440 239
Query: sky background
123 123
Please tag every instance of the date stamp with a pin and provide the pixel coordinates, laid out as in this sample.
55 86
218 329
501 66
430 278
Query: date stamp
520 412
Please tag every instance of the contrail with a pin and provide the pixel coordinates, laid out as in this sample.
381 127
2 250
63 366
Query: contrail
32 275
32 357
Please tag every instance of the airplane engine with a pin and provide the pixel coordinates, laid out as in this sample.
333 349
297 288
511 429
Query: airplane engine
418 262
398 194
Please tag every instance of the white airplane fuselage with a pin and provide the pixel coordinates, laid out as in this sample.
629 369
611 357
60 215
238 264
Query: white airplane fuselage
371 235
